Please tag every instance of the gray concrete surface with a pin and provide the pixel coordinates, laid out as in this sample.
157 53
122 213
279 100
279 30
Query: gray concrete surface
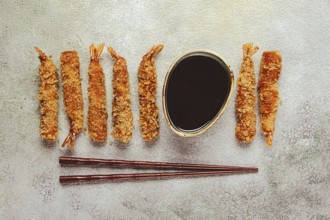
294 177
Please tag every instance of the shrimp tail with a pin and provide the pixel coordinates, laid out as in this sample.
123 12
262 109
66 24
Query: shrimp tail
42 55
113 53
249 50
96 51
269 139
155 50
69 140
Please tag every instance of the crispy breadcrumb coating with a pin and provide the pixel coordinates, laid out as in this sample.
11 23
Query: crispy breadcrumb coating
147 76
97 110
72 94
246 97
122 115
270 70
48 97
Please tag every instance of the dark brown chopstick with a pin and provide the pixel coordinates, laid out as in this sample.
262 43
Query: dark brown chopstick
149 165
147 176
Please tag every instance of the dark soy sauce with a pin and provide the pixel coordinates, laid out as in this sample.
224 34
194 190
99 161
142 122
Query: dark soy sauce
197 88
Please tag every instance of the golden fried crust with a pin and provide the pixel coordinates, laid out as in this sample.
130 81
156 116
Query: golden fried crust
122 115
270 70
72 94
149 122
97 111
246 97
48 97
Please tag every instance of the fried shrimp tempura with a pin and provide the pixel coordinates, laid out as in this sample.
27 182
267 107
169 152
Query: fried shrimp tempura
147 76
72 94
246 97
270 70
121 104
97 110
48 97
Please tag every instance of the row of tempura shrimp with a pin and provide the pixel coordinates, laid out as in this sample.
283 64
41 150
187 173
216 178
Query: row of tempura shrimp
97 111
270 70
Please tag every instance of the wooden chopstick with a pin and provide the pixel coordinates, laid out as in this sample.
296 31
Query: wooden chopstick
63 160
147 176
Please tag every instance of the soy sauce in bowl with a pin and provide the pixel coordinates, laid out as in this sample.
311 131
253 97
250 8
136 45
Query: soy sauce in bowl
196 91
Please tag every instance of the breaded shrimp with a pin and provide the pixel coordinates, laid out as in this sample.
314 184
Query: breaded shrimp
72 94
246 97
121 104
270 70
147 76
97 110
48 97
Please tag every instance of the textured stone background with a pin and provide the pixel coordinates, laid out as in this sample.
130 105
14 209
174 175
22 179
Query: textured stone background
294 177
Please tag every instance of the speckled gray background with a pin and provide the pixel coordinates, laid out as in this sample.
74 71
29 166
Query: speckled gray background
294 177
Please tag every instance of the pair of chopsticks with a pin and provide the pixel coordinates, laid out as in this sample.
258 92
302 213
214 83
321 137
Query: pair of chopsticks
185 170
